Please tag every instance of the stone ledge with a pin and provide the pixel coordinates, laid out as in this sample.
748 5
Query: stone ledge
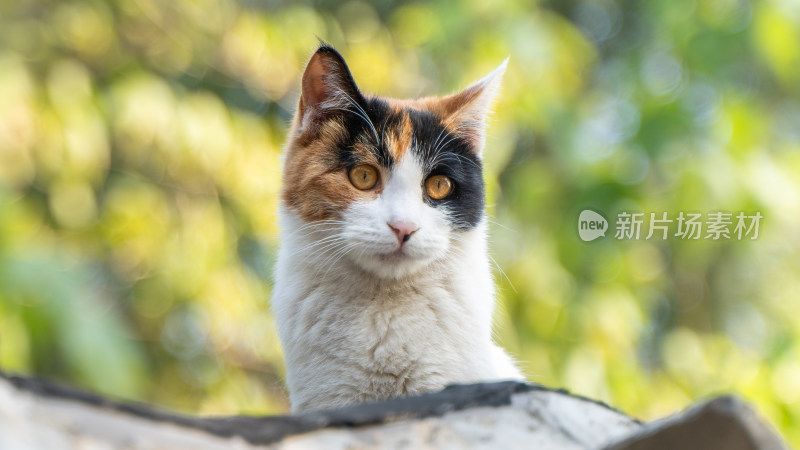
38 414
724 422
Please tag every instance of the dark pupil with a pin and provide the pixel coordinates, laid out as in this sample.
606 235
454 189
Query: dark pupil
364 175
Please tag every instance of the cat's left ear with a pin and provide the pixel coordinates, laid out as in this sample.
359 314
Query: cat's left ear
466 111
328 88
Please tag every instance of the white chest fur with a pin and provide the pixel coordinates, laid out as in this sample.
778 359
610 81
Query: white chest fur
350 337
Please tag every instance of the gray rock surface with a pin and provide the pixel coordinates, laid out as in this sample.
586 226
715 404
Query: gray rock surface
724 423
35 414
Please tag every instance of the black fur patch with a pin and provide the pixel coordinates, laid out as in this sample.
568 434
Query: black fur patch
443 153
359 130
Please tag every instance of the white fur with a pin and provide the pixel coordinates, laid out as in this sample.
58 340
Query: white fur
363 318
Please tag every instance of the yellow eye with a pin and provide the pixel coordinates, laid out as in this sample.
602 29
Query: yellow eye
438 187
364 176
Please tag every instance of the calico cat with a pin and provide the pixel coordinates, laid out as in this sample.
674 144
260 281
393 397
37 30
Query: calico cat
382 284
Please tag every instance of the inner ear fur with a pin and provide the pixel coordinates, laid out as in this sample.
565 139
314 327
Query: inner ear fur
467 110
327 88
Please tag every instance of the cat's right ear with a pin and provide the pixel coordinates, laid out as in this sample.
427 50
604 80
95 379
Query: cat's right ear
328 88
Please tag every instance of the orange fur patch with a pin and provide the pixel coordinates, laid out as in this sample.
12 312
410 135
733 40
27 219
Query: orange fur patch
398 141
311 187
445 108
434 105
404 137
448 109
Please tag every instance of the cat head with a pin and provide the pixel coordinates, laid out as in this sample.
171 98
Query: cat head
393 182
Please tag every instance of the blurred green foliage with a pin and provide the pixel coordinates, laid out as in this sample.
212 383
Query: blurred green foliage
140 147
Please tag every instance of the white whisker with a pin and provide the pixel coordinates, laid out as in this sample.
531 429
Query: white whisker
361 113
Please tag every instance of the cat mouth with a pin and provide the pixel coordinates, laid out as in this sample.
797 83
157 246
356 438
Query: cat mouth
393 255
399 254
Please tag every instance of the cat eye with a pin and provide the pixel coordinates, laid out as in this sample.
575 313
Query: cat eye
364 176
438 187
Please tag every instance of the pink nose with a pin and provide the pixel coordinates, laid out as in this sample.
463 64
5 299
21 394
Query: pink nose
403 230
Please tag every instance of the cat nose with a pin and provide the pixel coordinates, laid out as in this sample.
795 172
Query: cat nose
403 230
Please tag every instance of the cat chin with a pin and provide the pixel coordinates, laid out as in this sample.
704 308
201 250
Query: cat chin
392 266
